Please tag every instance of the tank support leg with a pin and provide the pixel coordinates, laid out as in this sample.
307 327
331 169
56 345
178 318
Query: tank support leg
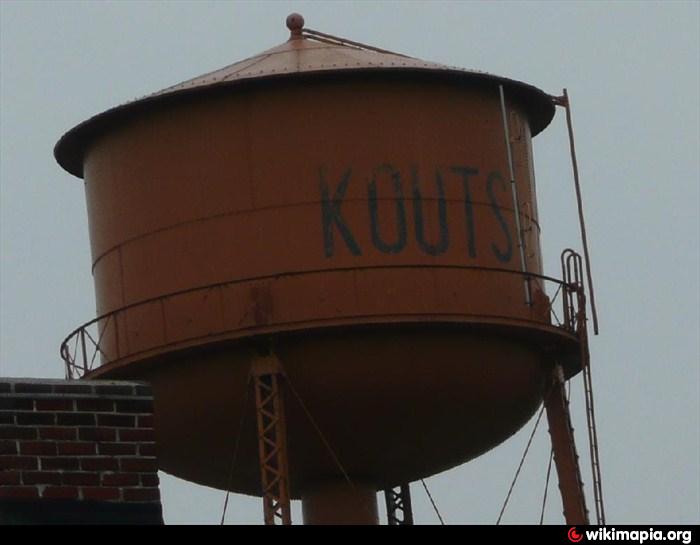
398 505
272 441
565 457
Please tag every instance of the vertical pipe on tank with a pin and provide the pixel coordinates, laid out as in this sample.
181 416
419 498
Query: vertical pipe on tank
514 191
566 103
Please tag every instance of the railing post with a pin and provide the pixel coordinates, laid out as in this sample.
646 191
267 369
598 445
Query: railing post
116 334
82 347
65 356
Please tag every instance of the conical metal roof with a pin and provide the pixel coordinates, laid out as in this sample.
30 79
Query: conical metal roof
305 54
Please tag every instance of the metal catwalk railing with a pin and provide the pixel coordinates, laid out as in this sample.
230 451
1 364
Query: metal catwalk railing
97 342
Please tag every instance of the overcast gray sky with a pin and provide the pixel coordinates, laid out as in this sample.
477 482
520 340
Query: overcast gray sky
632 70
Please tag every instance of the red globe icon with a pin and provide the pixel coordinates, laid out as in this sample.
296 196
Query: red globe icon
573 535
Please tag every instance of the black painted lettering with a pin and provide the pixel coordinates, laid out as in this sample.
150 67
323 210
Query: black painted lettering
330 215
444 240
503 256
465 173
400 243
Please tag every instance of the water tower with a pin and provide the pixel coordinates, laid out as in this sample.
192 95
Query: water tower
325 258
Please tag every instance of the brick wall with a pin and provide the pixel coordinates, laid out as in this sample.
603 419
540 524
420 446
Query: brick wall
81 442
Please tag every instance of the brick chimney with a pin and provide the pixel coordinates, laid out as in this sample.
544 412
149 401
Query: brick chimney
77 452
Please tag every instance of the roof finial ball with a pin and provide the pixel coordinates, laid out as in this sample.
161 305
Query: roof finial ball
295 22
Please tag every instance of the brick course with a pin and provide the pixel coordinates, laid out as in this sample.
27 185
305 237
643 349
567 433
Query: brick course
70 440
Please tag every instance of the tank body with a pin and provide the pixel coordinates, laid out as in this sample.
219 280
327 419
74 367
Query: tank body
362 226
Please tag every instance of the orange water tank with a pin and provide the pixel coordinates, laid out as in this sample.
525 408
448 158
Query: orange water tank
347 207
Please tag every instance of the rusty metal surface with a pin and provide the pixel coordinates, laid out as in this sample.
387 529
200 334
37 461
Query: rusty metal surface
302 56
456 394
177 198
362 221
565 456
341 504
